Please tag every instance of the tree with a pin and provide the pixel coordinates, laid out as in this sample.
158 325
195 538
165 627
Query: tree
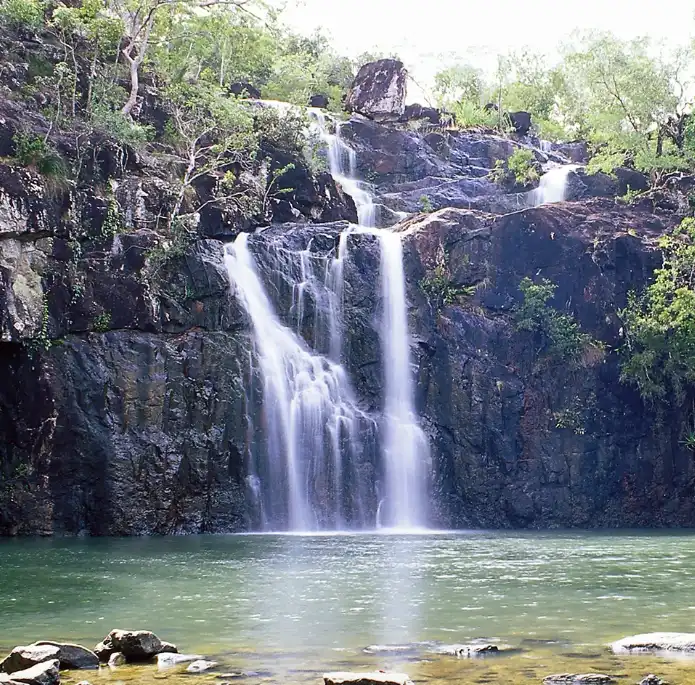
618 95
458 83
659 326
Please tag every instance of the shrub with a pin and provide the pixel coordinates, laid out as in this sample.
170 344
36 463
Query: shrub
519 169
22 14
101 323
469 115
560 335
659 325
34 151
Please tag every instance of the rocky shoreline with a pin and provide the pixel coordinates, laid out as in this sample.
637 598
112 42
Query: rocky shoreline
42 662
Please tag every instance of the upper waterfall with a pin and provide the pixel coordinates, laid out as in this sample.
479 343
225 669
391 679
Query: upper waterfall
552 186
405 447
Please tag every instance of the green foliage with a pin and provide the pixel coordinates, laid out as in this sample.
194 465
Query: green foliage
559 334
659 325
460 83
22 14
34 151
102 322
440 287
570 419
471 115
522 165
42 340
426 204
519 169
282 130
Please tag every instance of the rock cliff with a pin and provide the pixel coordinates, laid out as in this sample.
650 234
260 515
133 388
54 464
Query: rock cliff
125 355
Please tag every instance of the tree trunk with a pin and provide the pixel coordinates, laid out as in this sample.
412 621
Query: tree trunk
134 65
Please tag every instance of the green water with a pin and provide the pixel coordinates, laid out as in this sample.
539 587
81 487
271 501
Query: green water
303 604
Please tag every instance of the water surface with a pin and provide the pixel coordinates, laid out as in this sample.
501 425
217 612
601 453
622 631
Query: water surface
317 601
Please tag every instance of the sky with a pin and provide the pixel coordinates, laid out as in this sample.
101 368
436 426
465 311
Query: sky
427 34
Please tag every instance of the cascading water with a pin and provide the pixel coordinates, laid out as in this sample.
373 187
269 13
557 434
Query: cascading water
312 424
404 445
305 461
552 186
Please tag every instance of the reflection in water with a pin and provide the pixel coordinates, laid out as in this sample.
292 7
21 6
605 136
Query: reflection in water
317 599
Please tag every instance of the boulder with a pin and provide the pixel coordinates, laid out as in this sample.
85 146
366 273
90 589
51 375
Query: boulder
319 101
655 642
245 90
45 673
135 645
200 666
379 90
72 656
578 679
21 658
521 122
168 659
117 659
375 678
168 648
416 112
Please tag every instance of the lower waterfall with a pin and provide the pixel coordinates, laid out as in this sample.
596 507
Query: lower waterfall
303 474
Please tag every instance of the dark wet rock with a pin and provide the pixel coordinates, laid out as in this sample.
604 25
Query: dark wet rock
379 90
473 650
376 678
578 679
44 673
24 657
134 645
320 101
245 90
417 112
201 666
168 648
521 122
576 152
168 659
655 642
73 657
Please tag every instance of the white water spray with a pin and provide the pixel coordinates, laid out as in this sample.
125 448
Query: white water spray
405 447
309 411
552 186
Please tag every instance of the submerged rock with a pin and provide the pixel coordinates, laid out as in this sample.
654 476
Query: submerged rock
375 678
652 679
470 651
45 673
168 659
378 91
655 642
135 645
72 656
578 679
200 666
24 657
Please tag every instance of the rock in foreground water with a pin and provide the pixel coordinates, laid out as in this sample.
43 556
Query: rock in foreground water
376 678
117 659
24 657
135 645
72 656
470 651
45 673
655 642
200 666
578 679
168 660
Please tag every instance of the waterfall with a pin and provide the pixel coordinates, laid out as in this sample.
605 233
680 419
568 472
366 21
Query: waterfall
311 421
404 446
552 186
